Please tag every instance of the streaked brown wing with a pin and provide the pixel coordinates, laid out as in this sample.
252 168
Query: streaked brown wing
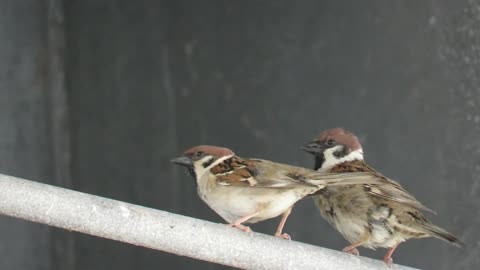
387 189
257 173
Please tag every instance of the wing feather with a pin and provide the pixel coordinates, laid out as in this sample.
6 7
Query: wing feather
386 188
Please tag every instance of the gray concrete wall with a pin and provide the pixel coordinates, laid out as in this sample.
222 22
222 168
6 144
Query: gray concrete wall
146 80
24 141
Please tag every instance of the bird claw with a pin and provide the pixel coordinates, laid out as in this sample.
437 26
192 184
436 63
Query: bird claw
353 251
284 236
388 261
241 227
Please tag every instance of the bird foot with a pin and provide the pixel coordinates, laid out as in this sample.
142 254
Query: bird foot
388 261
241 227
284 236
350 250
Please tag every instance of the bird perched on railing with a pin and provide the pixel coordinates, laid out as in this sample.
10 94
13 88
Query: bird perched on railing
370 215
244 190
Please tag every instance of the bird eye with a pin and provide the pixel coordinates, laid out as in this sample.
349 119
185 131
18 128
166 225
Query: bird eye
199 154
330 142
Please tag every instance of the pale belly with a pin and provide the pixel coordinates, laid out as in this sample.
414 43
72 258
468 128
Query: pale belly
233 203
350 225
357 218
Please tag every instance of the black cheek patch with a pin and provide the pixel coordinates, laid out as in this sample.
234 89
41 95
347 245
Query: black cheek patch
208 163
341 153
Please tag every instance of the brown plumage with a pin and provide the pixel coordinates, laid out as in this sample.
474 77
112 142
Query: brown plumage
382 214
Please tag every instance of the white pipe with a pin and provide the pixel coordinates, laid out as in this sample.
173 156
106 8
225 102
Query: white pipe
142 226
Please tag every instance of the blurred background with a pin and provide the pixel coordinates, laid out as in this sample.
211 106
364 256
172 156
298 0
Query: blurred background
98 96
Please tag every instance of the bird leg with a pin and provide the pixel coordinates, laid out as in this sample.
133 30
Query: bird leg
352 248
242 227
388 257
238 223
279 233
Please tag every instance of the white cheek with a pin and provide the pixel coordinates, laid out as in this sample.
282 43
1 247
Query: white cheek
198 165
331 160
199 170
329 153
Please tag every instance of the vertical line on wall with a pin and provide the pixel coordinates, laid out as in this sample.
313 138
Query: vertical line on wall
62 243
172 124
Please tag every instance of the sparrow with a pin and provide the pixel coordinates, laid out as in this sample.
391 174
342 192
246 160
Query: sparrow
375 215
248 190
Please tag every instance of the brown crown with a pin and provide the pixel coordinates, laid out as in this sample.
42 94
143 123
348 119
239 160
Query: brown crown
210 150
340 136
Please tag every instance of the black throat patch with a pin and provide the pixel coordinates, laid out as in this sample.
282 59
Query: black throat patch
319 160
191 171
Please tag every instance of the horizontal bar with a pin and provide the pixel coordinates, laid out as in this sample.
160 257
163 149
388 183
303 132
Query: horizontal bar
160 230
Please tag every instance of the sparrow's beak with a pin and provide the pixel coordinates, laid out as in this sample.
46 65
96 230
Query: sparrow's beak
183 161
312 148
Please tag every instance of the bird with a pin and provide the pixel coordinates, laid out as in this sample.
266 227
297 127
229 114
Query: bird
249 190
375 215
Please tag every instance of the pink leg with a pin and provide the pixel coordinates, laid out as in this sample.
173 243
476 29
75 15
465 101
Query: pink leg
279 233
242 227
388 257
238 223
352 248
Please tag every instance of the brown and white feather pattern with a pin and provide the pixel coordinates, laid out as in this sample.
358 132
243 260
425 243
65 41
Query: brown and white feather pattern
241 172
384 213
235 171
238 187
386 188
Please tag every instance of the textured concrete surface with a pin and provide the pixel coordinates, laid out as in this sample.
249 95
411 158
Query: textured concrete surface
164 231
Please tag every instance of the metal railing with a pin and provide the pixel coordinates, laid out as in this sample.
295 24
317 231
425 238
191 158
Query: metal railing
165 231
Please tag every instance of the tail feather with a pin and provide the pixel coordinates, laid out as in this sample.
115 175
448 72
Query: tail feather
442 234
